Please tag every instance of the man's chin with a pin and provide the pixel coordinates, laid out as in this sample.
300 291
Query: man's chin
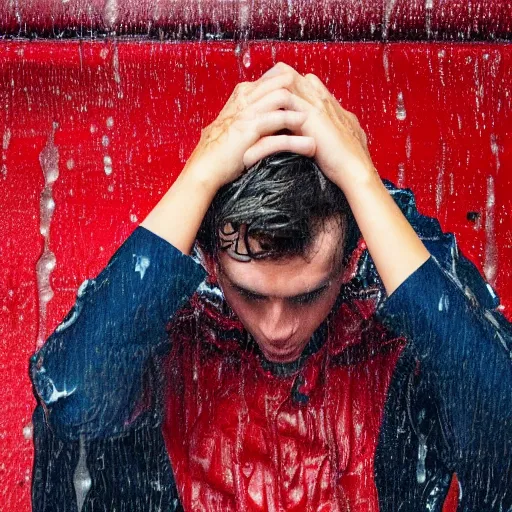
281 355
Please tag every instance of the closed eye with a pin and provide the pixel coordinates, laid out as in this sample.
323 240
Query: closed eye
309 298
250 296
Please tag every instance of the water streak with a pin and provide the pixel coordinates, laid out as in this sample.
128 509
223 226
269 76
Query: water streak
388 10
440 179
495 150
5 146
49 160
429 4
81 478
110 13
491 252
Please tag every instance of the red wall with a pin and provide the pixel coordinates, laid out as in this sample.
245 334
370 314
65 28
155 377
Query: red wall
143 105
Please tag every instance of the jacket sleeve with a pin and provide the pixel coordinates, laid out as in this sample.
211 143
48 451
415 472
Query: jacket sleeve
450 315
91 375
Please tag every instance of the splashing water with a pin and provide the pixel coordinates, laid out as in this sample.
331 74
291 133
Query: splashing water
49 160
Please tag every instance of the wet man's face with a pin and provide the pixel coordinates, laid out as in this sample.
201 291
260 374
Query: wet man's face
281 303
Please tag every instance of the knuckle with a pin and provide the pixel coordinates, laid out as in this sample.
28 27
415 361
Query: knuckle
289 78
283 95
241 88
282 65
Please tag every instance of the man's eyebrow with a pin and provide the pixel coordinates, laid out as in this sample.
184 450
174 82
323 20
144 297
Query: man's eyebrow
322 286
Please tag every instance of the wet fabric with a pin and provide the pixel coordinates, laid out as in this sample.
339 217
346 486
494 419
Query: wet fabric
403 391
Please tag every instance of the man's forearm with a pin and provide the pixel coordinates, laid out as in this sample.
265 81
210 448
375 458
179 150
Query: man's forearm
178 215
393 244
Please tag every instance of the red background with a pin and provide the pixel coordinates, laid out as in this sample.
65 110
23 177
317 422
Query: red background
151 100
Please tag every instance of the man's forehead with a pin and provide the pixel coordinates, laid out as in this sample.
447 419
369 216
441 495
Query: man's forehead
286 277
326 247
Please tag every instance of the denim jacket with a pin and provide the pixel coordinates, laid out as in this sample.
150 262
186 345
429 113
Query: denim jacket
448 409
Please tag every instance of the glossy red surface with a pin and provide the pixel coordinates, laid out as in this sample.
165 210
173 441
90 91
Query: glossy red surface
438 118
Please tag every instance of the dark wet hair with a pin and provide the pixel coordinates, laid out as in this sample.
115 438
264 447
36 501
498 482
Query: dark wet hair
284 200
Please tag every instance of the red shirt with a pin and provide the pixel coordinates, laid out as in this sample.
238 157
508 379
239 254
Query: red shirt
240 439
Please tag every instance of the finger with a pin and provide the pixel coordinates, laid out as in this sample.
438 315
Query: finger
322 91
272 144
279 67
262 88
272 122
274 70
275 100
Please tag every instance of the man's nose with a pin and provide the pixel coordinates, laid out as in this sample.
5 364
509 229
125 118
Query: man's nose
278 322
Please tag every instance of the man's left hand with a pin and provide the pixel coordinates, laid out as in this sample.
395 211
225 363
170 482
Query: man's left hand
341 144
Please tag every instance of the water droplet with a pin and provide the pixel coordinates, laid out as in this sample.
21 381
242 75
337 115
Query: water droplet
93 128
246 59
105 141
401 113
81 478
49 160
28 431
110 122
6 139
133 217
70 164
494 145
107 165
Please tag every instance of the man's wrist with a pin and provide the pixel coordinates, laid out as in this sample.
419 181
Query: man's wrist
201 176
364 181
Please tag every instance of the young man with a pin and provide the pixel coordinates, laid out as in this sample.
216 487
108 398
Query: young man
288 382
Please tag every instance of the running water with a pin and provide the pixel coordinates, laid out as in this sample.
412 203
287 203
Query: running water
81 478
49 160
491 251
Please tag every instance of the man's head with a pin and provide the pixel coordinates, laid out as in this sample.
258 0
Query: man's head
276 240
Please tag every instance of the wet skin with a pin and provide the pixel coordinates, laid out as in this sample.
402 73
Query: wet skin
282 302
